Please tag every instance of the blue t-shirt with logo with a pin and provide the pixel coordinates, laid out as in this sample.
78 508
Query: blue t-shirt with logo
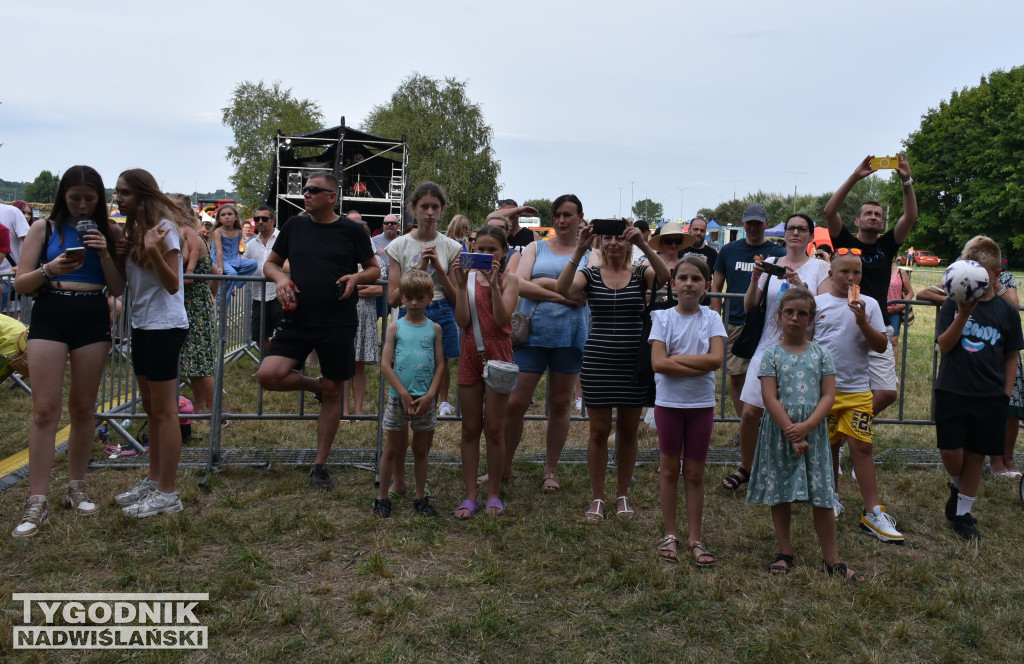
975 365
736 262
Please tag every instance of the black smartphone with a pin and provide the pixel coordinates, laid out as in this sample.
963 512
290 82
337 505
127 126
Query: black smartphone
774 269
609 226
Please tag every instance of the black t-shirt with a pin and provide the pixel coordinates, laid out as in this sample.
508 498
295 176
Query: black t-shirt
877 261
709 255
319 255
975 365
521 239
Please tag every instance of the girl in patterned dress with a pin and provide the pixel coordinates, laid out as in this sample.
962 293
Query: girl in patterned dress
793 460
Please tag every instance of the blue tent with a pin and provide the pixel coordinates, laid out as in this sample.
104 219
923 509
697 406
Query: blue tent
776 231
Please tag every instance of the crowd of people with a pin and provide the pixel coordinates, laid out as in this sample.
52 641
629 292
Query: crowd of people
581 297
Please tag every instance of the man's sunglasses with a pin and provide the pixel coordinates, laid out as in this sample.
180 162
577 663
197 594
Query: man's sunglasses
843 251
310 189
506 201
390 223
261 219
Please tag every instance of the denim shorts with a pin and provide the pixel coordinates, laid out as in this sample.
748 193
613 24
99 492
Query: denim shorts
442 313
536 359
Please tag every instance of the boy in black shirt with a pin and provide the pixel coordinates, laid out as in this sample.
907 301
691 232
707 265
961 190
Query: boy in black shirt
979 342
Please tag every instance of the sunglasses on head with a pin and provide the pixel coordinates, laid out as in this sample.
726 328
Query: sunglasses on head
310 189
843 251
261 218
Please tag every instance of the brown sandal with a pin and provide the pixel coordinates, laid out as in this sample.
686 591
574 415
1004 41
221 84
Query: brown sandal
703 559
550 484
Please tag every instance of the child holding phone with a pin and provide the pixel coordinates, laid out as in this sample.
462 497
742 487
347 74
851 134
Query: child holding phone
792 461
483 409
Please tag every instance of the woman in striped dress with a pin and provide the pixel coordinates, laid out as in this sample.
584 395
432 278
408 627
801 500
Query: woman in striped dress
616 301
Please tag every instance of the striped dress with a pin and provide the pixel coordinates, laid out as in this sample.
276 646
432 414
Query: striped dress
609 357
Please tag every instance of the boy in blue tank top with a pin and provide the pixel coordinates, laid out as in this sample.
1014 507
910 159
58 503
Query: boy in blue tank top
411 363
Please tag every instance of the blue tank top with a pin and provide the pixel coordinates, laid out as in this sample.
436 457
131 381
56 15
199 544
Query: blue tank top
414 357
554 325
91 271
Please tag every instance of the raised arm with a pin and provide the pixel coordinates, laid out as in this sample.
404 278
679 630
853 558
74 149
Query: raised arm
835 222
909 218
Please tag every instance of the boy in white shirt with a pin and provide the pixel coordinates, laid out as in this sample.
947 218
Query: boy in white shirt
850 325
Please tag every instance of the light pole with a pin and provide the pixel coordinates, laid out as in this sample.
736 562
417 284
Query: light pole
620 202
734 187
796 177
631 183
681 190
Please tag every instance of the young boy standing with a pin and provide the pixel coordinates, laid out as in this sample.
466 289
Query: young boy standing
411 363
979 342
850 325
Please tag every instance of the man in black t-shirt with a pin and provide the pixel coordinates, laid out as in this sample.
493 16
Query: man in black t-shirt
518 237
324 252
878 250
699 229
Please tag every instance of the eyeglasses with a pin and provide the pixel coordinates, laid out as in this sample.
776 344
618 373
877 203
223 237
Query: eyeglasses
310 189
674 240
843 251
798 229
259 219
390 223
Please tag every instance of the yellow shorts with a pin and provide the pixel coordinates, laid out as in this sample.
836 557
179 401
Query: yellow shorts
851 415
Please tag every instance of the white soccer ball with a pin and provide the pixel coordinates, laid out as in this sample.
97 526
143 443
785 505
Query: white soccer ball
965 281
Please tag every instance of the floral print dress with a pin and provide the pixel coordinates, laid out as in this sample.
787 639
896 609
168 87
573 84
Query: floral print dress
778 474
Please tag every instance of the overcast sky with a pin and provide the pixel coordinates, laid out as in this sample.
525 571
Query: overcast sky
584 97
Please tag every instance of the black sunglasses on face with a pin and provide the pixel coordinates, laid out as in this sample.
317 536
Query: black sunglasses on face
310 189
390 223
674 240
258 219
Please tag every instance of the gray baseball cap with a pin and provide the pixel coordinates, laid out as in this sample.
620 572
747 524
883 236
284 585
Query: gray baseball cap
755 213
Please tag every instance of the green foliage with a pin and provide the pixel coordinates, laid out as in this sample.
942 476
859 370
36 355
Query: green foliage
647 209
543 206
43 188
255 113
12 191
449 141
968 165
729 213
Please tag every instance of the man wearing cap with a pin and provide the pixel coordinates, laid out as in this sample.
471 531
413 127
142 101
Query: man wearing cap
699 229
878 250
518 237
733 268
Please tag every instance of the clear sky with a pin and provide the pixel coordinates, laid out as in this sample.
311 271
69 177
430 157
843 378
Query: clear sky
584 97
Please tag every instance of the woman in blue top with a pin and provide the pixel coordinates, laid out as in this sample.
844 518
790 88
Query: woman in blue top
70 319
558 332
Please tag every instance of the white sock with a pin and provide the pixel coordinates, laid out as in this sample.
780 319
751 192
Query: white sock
877 510
167 495
955 481
964 504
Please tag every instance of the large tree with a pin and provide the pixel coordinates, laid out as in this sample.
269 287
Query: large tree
255 113
449 141
968 165
647 210
43 188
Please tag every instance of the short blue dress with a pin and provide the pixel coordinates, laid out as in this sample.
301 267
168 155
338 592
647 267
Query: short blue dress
778 474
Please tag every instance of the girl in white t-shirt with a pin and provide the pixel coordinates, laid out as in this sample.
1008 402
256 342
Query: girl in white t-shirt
159 327
687 345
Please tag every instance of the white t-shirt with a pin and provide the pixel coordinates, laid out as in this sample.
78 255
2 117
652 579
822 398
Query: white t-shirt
14 220
836 329
685 335
406 250
256 250
153 308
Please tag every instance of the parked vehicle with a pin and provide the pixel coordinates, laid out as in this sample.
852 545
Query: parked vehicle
921 258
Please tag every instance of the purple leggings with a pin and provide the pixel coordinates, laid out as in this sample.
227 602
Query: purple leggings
685 431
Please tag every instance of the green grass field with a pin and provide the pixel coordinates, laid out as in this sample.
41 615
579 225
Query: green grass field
298 576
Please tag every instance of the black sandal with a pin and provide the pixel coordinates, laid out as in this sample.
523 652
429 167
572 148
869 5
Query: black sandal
775 569
733 482
841 570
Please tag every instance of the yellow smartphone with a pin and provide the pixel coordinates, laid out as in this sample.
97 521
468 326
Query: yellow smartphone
885 162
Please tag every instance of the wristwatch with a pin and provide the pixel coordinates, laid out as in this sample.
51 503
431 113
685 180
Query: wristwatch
908 182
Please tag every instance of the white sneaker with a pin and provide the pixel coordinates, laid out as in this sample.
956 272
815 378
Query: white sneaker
36 511
445 409
837 506
881 525
578 405
153 504
77 500
136 493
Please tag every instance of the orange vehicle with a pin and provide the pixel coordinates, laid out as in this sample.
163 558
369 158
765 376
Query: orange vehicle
926 258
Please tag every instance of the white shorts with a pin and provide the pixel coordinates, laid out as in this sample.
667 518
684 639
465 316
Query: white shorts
882 367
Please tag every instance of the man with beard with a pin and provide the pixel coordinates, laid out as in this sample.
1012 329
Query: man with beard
878 250
699 230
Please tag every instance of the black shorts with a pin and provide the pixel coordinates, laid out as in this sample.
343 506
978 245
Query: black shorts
334 345
976 424
155 353
73 319
271 315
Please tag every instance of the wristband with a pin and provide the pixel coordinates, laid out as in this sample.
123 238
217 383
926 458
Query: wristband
576 263
908 182
42 271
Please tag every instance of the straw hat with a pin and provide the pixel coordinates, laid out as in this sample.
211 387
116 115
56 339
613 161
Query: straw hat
671 229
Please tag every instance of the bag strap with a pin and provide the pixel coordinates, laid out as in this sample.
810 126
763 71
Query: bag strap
471 284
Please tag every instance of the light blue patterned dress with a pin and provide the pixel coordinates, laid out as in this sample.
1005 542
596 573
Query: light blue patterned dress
779 475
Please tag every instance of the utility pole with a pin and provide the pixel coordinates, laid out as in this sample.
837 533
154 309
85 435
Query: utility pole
796 177
631 198
620 202
681 190
734 187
